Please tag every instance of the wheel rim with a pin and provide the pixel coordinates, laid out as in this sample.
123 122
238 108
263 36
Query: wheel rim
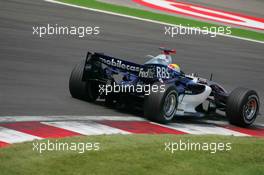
250 109
169 105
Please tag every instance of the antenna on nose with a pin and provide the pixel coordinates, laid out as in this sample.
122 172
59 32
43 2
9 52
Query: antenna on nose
167 51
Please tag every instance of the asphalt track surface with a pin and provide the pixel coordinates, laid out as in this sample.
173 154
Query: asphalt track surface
34 71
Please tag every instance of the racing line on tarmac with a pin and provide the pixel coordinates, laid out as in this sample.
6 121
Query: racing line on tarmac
31 128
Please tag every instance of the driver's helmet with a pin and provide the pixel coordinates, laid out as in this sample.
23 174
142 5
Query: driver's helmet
174 67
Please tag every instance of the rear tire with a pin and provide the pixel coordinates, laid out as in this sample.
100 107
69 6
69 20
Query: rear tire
161 106
84 90
242 107
109 100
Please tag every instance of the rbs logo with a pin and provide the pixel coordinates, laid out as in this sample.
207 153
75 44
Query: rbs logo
162 72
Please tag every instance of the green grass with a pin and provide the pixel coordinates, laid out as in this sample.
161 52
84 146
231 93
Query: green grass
161 17
137 154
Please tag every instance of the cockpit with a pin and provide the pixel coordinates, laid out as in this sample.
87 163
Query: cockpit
160 59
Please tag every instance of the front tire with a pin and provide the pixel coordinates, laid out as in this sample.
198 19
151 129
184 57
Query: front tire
242 107
161 106
84 90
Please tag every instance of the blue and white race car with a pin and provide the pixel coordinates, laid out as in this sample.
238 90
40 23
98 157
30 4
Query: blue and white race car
159 88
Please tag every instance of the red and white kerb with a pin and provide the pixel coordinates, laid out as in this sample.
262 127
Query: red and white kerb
204 13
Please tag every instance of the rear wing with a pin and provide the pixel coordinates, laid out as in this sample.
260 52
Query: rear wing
117 63
94 62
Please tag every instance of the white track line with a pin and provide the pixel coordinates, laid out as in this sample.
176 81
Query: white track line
13 136
147 20
66 117
86 127
204 129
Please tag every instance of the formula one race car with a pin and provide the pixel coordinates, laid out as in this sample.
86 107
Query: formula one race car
160 88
